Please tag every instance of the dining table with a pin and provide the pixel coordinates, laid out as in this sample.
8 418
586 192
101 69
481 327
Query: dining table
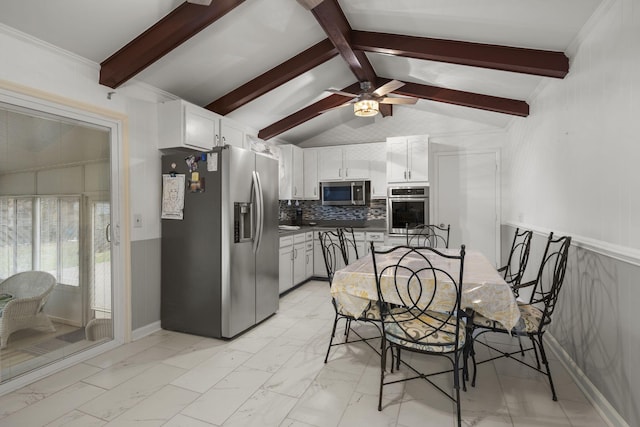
484 290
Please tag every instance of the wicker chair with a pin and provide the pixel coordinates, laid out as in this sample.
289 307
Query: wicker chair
98 329
28 293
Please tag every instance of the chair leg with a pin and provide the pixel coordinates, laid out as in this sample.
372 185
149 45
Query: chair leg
546 364
456 385
333 334
347 329
535 350
383 366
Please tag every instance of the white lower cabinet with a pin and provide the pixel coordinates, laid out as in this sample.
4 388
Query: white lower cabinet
319 269
378 239
286 263
296 260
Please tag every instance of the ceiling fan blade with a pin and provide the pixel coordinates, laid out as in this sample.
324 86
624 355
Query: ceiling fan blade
388 87
389 100
339 92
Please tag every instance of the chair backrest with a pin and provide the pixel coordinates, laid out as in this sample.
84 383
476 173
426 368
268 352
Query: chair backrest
29 284
413 287
518 257
330 242
348 243
550 276
429 235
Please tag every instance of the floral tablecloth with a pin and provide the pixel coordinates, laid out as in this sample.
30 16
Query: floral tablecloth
483 289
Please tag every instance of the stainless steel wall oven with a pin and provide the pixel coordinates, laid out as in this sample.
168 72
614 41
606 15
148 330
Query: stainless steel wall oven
407 207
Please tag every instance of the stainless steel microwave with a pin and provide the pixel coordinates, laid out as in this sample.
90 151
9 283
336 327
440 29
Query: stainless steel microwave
345 193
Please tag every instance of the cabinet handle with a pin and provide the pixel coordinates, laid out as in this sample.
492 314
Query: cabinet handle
315 191
217 138
409 174
340 172
224 140
346 172
292 252
405 175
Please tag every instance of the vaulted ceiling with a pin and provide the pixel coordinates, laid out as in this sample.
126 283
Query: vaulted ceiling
266 63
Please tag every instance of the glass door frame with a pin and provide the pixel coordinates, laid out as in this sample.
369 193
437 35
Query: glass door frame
38 103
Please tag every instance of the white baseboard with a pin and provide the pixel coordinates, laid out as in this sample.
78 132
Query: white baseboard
602 405
65 321
145 330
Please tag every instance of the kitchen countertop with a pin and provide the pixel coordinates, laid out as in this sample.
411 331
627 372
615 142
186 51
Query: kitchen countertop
378 225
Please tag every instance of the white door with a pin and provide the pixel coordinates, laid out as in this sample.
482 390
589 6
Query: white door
466 194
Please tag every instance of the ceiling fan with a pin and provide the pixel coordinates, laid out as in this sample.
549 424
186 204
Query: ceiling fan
366 103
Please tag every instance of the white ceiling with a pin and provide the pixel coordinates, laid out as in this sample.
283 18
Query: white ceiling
260 34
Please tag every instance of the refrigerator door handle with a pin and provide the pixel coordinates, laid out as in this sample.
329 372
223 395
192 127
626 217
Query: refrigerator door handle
257 188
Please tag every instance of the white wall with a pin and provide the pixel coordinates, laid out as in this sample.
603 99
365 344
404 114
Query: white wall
573 161
571 167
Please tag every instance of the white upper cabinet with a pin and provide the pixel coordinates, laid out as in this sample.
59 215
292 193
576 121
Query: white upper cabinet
407 159
232 133
311 188
330 163
291 173
343 163
355 161
378 169
184 125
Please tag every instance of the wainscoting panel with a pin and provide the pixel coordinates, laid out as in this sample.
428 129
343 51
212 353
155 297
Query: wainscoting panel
595 325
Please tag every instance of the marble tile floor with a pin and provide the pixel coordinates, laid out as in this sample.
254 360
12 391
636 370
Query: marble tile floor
274 375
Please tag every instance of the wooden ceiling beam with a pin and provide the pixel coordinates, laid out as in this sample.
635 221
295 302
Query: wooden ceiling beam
332 20
307 113
466 99
299 64
181 24
515 59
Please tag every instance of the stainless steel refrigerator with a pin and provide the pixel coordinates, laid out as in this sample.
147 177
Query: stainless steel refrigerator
220 262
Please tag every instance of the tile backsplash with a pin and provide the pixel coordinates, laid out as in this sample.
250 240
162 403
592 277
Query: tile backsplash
312 210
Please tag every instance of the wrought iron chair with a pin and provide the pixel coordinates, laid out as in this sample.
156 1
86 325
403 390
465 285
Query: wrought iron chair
429 235
332 251
414 318
518 257
348 243
537 314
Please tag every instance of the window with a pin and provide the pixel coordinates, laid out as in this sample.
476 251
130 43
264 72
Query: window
41 233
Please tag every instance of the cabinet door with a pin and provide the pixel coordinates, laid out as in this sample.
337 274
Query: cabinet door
418 159
311 191
298 173
396 159
200 128
299 263
330 163
319 269
378 169
232 133
356 161
286 268
285 163
308 264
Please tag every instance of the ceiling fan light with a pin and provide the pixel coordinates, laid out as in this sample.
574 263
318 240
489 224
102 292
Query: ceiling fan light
366 108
